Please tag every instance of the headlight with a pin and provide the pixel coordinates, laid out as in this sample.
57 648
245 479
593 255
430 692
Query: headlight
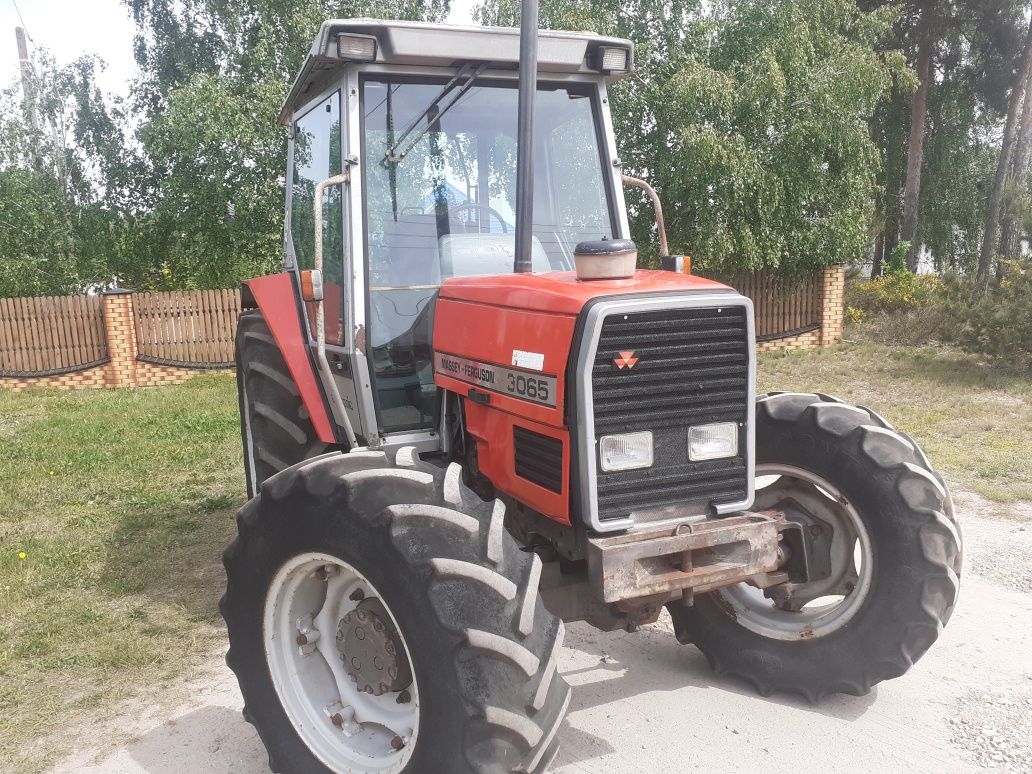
712 442
629 451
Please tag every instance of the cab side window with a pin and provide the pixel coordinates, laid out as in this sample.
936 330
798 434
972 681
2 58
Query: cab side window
316 157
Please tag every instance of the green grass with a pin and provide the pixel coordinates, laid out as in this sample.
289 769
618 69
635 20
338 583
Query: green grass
121 502
974 421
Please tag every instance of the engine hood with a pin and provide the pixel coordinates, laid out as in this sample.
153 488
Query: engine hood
563 293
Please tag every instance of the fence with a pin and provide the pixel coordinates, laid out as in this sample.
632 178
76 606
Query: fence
795 313
51 335
125 339
189 329
116 339
782 308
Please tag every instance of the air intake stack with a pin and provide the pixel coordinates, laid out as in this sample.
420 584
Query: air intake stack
606 259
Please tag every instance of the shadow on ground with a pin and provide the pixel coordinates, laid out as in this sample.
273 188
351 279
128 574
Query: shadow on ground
207 739
619 675
612 670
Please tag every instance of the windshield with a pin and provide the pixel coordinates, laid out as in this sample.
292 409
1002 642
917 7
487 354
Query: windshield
447 209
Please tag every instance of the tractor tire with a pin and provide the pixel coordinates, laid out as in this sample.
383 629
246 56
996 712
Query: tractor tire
274 423
461 592
902 504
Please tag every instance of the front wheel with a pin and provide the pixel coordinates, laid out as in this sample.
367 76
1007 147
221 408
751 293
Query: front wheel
887 557
382 620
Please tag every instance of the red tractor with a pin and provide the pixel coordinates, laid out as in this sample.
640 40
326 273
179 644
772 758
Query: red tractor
467 419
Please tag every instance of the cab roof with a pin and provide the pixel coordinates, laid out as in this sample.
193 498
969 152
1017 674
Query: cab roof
444 45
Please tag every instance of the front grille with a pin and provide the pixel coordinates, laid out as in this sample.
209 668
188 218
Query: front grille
539 458
692 368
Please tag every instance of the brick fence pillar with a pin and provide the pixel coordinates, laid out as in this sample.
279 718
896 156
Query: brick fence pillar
121 338
833 304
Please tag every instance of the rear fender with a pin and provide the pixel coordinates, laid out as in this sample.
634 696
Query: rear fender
277 299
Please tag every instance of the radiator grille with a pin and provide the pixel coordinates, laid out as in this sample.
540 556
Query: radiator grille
539 458
692 368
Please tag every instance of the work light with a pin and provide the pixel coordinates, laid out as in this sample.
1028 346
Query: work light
628 451
611 59
357 48
712 442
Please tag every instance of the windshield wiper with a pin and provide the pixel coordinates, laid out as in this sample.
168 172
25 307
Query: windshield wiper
467 74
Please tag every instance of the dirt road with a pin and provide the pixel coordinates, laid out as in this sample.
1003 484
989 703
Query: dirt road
642 702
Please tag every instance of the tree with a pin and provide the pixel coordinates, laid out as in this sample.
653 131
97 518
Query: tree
934 149
1016 187
57 143
750 119
985 258
915 147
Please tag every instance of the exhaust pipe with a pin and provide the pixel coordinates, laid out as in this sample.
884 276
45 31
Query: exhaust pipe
525 137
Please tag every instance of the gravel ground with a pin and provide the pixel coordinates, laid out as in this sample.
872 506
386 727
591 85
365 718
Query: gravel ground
1002 553
996 727
642 702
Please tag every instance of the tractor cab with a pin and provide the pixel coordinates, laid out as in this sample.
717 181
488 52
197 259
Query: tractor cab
421 120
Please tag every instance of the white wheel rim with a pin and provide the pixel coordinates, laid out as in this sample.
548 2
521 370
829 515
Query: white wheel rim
843 594
311 680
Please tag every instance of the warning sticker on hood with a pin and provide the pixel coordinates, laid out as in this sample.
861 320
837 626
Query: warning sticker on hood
535 361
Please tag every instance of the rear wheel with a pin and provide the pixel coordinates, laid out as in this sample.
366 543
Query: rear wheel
381 619
274 422
888 549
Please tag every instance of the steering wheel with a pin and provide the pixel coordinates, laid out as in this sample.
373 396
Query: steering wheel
471 205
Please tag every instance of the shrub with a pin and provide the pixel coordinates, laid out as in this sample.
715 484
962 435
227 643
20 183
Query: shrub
997 323
894 292
897 290
994 322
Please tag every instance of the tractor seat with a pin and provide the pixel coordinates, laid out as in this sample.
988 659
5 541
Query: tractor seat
476 255
408 253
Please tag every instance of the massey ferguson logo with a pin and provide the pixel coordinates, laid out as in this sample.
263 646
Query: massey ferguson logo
626 360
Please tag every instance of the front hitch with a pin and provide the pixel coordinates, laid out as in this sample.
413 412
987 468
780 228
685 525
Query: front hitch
698 555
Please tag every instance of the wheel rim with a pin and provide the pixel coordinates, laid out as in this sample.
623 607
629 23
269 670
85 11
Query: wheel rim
816 609
347 729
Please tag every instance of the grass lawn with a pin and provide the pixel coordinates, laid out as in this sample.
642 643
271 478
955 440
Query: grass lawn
122 500
973 421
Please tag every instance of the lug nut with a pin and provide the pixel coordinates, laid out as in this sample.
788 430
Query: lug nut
301 639
337 720
397 743
404 697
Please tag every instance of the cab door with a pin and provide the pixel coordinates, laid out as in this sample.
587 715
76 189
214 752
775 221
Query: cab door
316 155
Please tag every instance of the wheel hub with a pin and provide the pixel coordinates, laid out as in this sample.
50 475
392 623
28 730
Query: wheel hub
371 649
842 571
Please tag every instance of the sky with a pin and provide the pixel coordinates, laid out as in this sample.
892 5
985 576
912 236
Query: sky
70 28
